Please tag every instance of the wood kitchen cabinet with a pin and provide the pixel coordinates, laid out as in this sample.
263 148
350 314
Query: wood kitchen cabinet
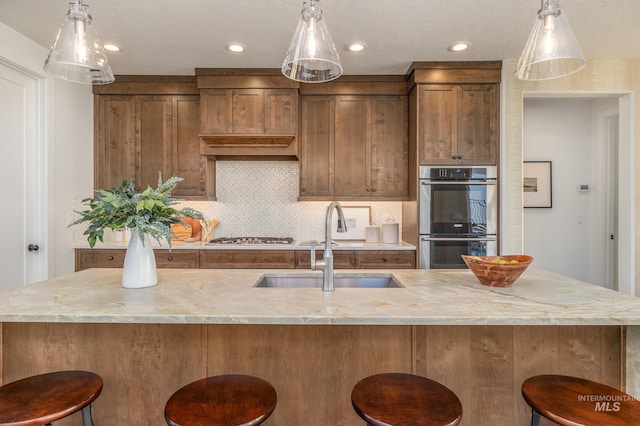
362 259
385 259
139 135
114 258
249 259
249 112
354 147
457 124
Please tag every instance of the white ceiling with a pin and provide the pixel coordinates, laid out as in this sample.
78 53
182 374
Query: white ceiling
165 37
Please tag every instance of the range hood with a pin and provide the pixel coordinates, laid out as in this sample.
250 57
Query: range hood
248 114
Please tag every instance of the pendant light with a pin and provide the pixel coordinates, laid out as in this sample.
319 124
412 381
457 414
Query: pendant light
312 56
552 50
77 54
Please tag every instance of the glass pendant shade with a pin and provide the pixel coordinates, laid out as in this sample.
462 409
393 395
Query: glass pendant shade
77 54
552 50
312 56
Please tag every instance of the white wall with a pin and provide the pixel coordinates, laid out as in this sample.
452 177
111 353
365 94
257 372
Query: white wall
68 167
617 77
561 238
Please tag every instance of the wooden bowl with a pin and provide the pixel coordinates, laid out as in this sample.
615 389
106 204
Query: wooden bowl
493 274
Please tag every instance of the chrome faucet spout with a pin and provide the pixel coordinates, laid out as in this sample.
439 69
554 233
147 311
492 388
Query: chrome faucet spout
326 264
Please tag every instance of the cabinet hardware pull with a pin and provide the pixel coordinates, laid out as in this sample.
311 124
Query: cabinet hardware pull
368 189
170 258
384 259
110 258
374 190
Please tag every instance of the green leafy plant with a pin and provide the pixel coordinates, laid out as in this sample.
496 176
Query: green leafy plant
148 213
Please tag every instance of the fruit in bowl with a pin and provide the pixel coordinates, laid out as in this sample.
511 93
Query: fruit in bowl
498 271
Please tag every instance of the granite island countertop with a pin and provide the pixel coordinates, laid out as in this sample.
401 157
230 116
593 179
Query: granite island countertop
429 297
296 245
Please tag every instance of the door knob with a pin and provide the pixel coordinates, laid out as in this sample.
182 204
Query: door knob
33 247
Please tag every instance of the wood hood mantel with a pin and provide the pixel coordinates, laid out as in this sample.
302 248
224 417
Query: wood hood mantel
248 114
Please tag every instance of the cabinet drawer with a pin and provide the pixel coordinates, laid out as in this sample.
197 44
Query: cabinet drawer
247 259
390 259
98 258
177 258
342 259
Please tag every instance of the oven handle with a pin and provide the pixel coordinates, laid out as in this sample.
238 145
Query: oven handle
427 182
458 238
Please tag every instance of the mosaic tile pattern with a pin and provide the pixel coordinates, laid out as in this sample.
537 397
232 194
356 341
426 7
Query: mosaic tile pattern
259 198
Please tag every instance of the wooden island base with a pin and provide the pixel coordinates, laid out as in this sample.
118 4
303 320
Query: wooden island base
312 367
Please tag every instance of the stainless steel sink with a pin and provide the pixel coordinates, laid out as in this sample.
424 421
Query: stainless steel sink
340 281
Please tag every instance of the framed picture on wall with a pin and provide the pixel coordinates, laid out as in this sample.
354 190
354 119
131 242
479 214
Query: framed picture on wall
536 184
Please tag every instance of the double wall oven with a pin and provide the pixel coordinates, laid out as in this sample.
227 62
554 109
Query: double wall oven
458 215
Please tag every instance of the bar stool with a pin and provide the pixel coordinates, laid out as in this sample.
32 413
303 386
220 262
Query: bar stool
401 399
228 400
42 399
569 400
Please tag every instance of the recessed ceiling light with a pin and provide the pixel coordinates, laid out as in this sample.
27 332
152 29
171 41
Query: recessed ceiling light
235 48
459 46
112 47
356 47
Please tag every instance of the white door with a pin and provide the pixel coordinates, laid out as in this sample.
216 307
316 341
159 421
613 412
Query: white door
22 239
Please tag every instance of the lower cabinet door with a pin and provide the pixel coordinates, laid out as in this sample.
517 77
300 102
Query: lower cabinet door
246 259
386 259
99 258
188 259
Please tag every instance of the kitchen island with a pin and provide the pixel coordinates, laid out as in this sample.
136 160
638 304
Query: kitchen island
314 346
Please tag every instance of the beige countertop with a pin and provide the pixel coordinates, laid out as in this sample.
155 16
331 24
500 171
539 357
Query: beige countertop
430 297
296 245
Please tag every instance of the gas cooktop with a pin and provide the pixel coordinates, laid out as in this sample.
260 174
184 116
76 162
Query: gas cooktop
252 240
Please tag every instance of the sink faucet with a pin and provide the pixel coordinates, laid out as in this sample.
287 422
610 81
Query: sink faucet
326 264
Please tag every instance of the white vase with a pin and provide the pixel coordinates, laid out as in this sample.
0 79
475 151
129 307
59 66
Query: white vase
139 268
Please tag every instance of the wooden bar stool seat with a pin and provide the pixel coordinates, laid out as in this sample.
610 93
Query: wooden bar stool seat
573 401
405 399
230 400
42 399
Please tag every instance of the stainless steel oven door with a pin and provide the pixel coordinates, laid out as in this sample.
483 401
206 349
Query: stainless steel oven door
458 208
444 252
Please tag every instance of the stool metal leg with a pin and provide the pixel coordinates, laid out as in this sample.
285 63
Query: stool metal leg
86 416
535 418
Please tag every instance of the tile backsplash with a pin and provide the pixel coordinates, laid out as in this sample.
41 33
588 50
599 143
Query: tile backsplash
259 198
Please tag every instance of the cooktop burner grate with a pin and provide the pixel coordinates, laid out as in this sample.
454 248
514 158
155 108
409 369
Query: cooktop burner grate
252 240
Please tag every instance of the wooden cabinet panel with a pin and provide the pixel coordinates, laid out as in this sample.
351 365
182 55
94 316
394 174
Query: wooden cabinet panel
216 107
139 136
385 259
249 259
477 123
457 124
353 146
115 140
357 145
197 170
389 146
342 259
317 146
99 258
153 140
177 258
436 129
249 112
280 111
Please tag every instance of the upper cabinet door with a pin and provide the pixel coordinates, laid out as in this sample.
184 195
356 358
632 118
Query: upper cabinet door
477 123
248 111
352 152
216 107
436 124
457 124
317 146
389 146
115 140
153 140
281 111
